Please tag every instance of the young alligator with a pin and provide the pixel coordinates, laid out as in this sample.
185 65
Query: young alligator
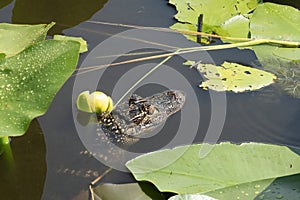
140 115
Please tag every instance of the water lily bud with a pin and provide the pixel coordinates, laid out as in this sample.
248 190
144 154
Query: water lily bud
97 102
82 102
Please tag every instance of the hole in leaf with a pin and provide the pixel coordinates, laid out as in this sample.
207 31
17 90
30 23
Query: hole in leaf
224 79
247 72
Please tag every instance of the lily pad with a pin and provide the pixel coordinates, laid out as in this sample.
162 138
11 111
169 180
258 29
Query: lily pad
237 26
288 53
226 166
83 44
274 21
141 191
215 13
234 77
30 80
278 22
191 197
15 37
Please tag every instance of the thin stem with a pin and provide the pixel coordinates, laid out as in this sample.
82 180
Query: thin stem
143 77
195 49
281 42
92 184
7 159
187 32
4 140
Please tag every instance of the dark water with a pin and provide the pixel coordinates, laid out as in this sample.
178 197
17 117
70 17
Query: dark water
59 166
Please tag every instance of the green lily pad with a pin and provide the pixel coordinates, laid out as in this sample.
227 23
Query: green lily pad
234 77
83 44
215 14
274 21
288 53
191 197
120 191
237 26
30 80
278 22
282 188
249 166
15 37
189 27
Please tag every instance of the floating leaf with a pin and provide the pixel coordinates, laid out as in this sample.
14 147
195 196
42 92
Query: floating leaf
130 191
274 21
15 37
82 42
226 166
278 22
288 53
189 63
237 26
30 80
191 197
234 77
215 13
285 187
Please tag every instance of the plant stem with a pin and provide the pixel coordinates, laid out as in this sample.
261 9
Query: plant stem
143 77
4 140
6 158
188 32
195 49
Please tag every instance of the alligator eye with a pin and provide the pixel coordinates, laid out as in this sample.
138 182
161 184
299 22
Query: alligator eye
96 102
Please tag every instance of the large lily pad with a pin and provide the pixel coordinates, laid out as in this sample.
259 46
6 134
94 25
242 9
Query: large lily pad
30 80
120 191
15 37
249 167
274 21
215 13
140 191
191 197
278 22
234 77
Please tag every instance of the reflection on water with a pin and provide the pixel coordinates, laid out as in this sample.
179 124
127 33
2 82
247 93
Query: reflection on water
24 179
4 3
66 13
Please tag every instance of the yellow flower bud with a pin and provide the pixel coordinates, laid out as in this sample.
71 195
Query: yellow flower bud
82 102
97 102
